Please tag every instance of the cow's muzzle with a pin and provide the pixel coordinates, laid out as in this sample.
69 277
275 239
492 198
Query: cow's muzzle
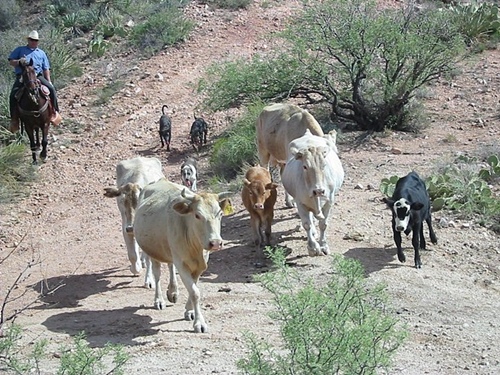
215 245
318 192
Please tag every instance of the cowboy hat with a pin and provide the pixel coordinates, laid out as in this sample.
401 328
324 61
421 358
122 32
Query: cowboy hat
33 35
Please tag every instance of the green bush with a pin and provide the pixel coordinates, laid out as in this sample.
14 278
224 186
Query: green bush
338 327
16 173
10 12
462 187
241 82
236 147
230 4
165 27
105 94
367 63
64 65
77 358
476 21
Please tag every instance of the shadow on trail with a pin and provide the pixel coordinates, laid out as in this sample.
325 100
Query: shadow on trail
119 326
374 259
67 291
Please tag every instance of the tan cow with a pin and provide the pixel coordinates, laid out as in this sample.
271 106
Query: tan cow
259 196
176 226
131 177
278 125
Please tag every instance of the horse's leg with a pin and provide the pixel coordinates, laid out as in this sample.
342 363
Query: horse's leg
29 130
37 139
45 134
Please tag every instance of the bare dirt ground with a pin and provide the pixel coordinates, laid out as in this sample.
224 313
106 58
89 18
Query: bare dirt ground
73 233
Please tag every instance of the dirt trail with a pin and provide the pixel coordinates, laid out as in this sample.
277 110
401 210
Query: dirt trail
450 306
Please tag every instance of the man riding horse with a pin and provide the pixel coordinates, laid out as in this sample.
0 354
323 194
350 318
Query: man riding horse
22 55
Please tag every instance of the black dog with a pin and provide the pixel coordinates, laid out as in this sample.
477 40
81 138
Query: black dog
198 132
165 128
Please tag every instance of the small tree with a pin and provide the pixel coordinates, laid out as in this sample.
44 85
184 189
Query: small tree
340 327
366 62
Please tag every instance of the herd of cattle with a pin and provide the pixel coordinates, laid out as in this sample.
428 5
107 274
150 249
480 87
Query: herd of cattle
174 224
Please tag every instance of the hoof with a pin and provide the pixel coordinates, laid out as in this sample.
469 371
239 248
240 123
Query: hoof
160 305
200 328
189 315
172 297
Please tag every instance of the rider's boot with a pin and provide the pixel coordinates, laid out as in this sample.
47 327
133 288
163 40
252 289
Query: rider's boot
14 122
56 117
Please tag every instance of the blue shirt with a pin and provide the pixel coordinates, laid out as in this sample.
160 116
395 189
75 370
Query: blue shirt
40 60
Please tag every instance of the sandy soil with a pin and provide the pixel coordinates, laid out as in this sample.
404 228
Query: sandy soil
71 233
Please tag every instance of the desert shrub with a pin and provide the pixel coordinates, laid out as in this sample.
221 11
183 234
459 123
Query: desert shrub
77 358
64 65
16 173
343 326
366 63
240 82
105 94
477 22
165 27
237 145
10 12
462 187
230 4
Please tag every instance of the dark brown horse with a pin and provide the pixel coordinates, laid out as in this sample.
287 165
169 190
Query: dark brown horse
34 111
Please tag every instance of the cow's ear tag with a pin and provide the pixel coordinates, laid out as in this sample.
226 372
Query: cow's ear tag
228 209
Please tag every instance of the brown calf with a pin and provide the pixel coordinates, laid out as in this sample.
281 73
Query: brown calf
259 196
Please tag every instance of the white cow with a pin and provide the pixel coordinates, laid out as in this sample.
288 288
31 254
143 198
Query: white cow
131 177
278 125
176 226
312 175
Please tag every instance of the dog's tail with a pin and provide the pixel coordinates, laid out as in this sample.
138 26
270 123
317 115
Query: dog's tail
163 109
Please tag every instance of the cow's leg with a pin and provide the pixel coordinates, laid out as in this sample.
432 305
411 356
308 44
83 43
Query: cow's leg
148 277
422 238
416 244
193 309
397 241
172 293
264 157
132 250
267 229
432 234
323 224
256 232
307 222
289 201
159 301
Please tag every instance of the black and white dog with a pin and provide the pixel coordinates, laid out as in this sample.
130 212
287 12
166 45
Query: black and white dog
198 132
189 170
411 206
165 128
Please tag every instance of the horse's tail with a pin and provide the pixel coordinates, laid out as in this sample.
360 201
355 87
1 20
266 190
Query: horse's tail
163 109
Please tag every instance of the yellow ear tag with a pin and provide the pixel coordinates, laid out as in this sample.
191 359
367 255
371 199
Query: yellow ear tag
228 208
